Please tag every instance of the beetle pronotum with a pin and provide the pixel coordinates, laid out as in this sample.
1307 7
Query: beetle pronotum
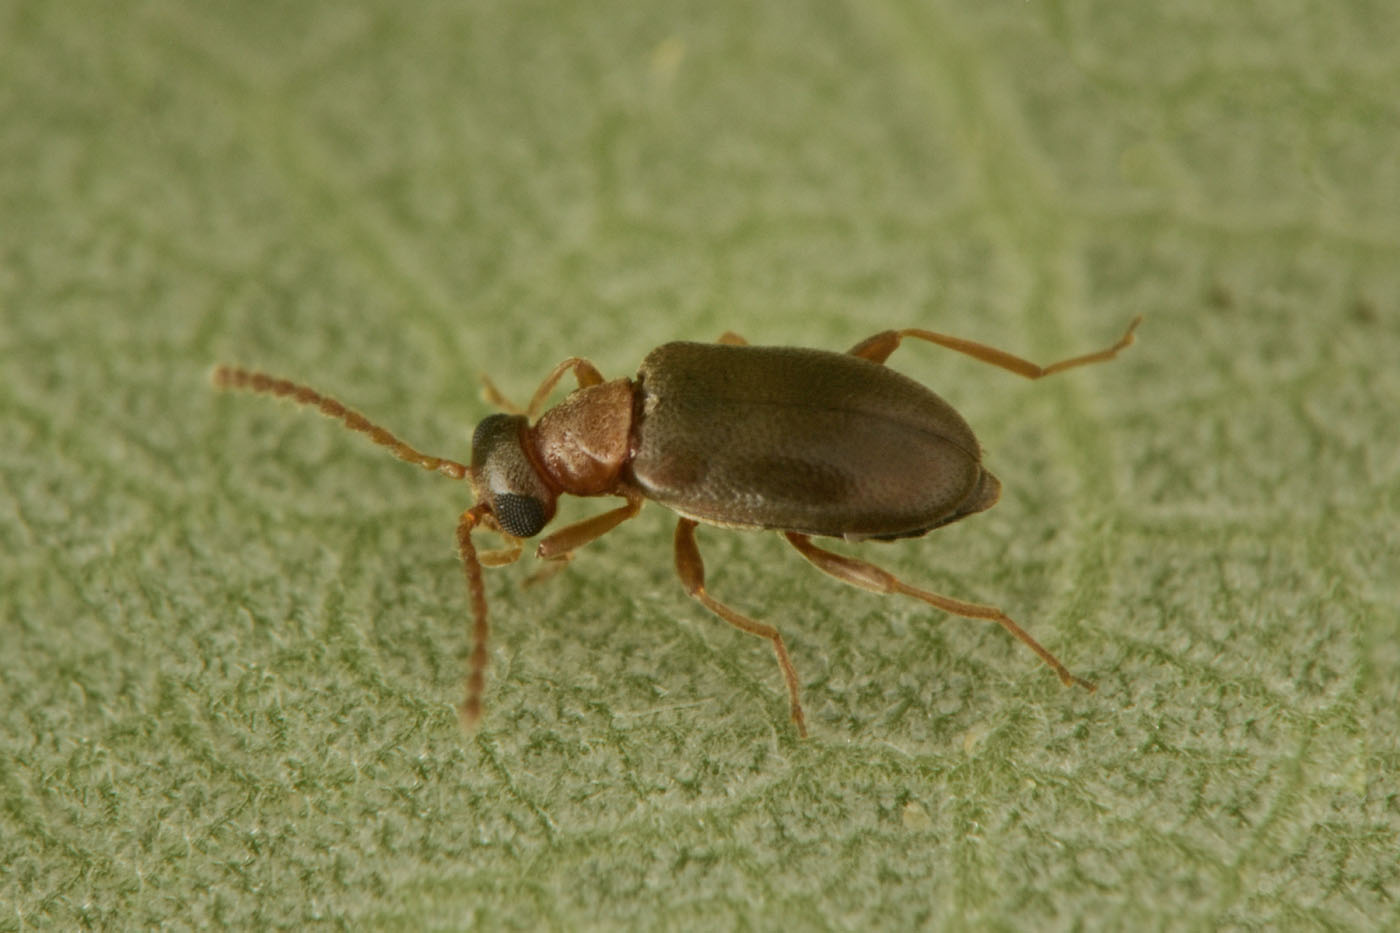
803 442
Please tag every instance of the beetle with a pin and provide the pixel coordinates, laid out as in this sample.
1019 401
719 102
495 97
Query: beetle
808 443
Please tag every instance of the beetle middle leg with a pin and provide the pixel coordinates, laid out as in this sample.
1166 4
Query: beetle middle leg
878 348
691 569
867 576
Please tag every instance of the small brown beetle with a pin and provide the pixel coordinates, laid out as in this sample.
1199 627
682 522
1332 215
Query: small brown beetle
805 442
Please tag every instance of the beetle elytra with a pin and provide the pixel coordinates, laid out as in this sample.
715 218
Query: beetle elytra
808 443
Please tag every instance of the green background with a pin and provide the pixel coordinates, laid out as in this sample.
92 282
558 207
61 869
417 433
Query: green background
233 634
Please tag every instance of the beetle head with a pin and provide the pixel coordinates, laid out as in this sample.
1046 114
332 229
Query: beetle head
506 478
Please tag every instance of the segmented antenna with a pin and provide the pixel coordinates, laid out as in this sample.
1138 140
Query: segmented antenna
234 377
470 709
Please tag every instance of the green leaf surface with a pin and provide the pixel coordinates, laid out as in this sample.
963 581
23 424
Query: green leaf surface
233 635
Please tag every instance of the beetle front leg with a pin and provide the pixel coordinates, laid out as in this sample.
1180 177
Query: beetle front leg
561 544
558 549
584 372
494 397
510 550
691 569
878 348
868 576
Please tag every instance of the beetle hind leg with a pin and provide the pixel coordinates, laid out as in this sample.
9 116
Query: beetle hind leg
867 576
691 569
878 348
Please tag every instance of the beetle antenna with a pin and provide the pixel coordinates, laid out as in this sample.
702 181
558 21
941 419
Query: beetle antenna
234 377
470 710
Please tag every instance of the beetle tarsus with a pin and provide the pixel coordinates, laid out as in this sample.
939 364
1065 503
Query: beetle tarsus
496 399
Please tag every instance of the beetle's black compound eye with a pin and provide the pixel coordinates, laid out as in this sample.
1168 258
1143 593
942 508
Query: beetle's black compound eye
521 516
521 501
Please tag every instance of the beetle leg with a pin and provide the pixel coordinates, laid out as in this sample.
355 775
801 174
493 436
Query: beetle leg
878 348
732 339
585 372
548 570
691 569
868 576
501 556
494 397
561 545
510 550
